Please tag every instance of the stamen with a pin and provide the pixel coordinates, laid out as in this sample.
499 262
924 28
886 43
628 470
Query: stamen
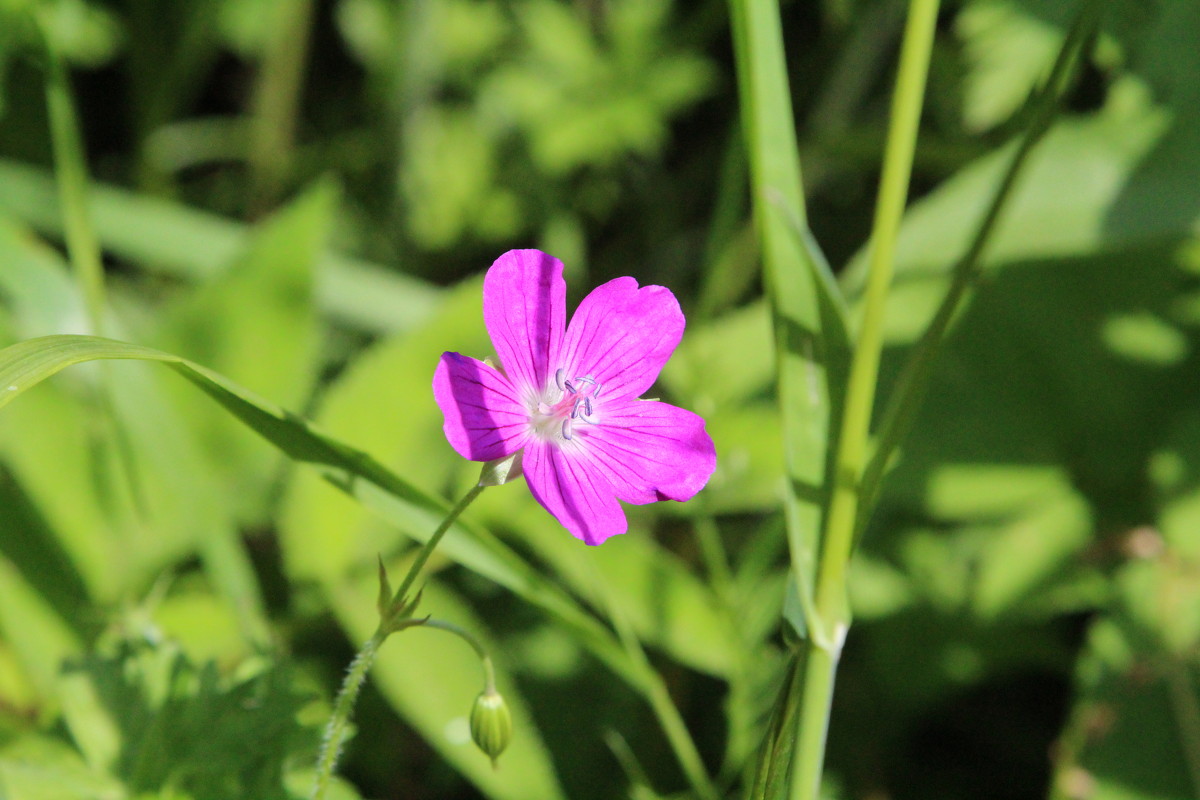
570 387
596 391
587 407
566 429
558 377
575 408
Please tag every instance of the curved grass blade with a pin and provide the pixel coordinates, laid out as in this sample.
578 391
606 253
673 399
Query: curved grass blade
27 363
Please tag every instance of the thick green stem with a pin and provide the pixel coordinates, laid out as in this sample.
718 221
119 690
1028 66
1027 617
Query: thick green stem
343 707
832 606
812 723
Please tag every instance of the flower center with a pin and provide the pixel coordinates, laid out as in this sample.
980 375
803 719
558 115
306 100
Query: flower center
573 401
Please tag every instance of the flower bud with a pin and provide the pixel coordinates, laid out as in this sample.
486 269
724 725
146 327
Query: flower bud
491 723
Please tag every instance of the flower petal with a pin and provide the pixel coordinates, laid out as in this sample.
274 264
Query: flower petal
570 488
649 450
484 418
622 335
525 308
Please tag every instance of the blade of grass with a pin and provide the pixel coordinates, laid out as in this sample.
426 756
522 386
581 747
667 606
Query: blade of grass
27 363
806 305
654 691
71 172
831 603
276 99
905 401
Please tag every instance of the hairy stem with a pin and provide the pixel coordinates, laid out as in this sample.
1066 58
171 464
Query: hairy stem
343 706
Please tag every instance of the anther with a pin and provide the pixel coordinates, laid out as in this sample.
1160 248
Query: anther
587 406
566 429
570 387
558 377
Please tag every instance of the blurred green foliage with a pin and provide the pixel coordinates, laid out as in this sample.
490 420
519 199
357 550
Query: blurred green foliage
1027 596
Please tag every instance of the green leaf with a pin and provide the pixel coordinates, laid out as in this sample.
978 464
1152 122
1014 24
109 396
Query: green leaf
1008 50
37 767
266 340
772 774
177 241
811 345
147 714
1039 549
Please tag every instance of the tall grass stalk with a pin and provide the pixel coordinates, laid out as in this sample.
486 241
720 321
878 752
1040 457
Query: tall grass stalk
832 609
909 389
70 170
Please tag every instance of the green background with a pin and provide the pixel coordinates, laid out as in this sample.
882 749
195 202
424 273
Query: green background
301 196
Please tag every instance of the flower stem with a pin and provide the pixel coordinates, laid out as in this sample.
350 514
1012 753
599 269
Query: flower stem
343 706
427 550
489 670
832 606
335 730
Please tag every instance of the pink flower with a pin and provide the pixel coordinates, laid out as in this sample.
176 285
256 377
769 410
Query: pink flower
568 396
